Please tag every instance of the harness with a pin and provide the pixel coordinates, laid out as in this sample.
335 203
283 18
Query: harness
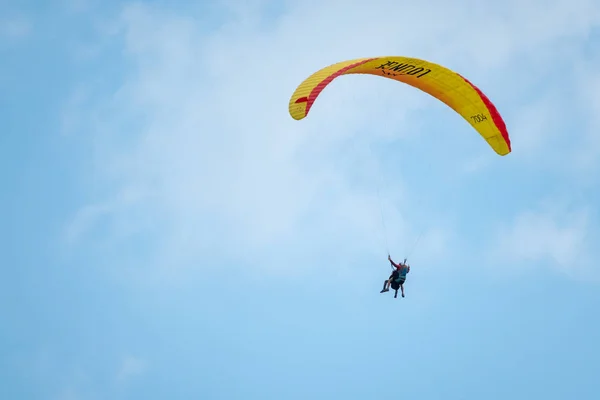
399 275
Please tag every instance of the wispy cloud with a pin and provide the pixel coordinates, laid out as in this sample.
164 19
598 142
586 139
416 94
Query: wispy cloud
78 6
587 120
70 394
15 27
224 169
131 367
74 110
552 234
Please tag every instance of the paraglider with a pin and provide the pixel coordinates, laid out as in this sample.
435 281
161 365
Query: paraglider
397 278
447 86
440 82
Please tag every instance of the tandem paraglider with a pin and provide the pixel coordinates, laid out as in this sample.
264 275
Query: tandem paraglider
397 278
449 87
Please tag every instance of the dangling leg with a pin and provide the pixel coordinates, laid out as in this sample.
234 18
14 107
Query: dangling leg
402 287
396 294
386 283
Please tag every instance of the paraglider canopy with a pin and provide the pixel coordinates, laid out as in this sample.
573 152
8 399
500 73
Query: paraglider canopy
440 82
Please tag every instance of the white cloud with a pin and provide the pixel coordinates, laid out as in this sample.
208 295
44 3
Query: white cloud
131 367
15 27
69 394
78 6
551 235
587 153
535 126
72 115
87 217
222 168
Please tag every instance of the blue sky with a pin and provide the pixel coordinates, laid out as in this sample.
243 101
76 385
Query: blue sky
169 231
